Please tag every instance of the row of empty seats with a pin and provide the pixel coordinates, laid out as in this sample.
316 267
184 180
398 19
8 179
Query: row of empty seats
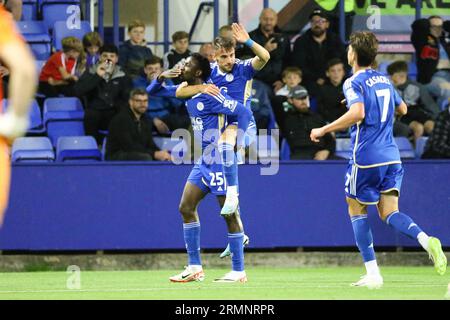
50 11
41 41
61 117
343 148
77 148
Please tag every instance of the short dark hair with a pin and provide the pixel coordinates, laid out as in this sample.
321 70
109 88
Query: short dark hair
110 48
333 62
153 60
138 92
365 45
203 64
397 66
224 42
179 35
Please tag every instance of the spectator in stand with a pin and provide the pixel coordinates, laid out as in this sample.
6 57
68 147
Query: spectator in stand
292 77
331 95
438 145
130 133
168 114
273 40
422 109
432 47
104 89
180 50
207 50
314 49
13 6
298 125
134 52
59 74
92 42
331 9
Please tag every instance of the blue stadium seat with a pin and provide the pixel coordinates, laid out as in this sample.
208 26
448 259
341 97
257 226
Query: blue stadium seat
285 152
59 10
36 124
57 129
313 106
60 31
32 149
36 34
343 148
63 109
420 146
177 147
405 147
29 10
39 65
82 148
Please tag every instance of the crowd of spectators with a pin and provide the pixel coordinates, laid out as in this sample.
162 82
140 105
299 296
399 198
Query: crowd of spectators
299 88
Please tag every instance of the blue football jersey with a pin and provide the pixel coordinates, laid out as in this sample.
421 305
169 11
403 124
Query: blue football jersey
373 141
237 83
208 113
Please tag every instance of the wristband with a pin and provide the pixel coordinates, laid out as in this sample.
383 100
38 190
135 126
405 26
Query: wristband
249 42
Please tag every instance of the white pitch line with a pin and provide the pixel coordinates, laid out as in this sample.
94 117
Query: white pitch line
206 288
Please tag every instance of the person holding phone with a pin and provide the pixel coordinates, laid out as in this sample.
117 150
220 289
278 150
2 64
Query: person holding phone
273 40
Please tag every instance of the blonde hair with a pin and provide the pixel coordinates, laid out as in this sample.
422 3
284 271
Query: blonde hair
72 43
92 39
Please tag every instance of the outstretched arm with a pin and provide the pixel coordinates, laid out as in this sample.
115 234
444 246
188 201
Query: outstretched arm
262 55
352 116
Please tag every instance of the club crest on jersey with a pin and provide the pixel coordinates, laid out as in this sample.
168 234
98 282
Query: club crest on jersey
229 77
200 106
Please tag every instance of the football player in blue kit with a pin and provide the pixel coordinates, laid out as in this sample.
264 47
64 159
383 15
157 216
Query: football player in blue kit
207 113
375 171
235 77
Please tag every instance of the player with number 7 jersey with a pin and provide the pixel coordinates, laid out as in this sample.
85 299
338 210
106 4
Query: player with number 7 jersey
374 174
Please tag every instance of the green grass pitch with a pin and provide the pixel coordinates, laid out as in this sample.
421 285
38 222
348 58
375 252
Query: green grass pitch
264 283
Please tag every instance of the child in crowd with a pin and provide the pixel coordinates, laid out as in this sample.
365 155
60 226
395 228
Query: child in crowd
92 42
291 77
134 52
59 73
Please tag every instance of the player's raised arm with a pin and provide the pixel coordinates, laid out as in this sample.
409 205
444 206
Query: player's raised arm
262 55
186 92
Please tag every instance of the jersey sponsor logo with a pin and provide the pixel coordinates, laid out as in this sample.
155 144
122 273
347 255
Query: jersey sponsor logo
200 106
197 123
229 77
230 104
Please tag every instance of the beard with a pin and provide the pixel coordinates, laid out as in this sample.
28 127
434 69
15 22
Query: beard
317 32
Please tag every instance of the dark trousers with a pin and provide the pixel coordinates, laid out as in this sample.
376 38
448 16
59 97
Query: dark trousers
96 120
54 91
130 156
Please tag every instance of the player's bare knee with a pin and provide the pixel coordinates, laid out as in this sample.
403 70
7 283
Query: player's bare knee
187 211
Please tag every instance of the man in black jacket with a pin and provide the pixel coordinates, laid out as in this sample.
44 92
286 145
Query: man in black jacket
104 89
298 125
270 37
429 42
130 133
314 49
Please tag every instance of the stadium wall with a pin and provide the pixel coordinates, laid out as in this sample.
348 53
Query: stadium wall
111 206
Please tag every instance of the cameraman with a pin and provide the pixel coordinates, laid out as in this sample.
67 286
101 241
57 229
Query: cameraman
104 89
270 37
